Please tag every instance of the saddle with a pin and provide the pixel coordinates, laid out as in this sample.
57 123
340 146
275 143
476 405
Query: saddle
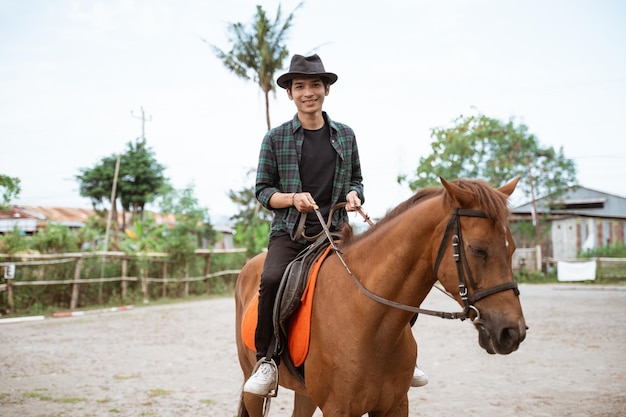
289 299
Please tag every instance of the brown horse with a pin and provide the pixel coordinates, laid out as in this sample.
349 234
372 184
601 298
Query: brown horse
362 351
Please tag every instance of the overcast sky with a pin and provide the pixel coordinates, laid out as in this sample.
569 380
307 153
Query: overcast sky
74 76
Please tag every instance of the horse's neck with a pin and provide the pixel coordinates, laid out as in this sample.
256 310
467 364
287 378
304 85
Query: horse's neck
396 261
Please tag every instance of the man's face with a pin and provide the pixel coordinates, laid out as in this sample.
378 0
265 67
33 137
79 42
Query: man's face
308 94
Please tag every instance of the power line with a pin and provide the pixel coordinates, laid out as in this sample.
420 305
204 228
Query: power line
143 122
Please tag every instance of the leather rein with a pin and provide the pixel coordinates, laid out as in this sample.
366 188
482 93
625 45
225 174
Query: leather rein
453 234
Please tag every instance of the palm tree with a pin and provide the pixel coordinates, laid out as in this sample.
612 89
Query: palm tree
258 52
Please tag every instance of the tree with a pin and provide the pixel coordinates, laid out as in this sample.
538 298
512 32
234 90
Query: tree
140 179
258 51
485 148
144 237
252 222
193 227
10 189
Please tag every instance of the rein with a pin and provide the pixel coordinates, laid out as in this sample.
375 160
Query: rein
452 229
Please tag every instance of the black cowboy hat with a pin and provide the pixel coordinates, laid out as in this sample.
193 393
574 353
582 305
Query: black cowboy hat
305 66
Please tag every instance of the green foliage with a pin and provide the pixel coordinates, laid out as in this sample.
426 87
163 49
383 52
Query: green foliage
14 241
258 51
144 236
92 233
253 235
55 238
252 221
193 227
140 178
9 189
534 277
481 147
96 183
617 250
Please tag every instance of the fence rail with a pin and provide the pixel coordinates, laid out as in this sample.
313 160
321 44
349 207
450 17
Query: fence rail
12 262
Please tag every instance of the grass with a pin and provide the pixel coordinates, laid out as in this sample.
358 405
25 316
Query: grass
207 401
45 397
159 392
126 377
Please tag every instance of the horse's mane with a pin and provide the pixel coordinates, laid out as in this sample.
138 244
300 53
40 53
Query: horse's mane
486 198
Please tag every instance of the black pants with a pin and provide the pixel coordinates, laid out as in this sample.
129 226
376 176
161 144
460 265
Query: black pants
280 251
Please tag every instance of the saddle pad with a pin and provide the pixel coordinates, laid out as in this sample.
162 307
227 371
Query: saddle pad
300 326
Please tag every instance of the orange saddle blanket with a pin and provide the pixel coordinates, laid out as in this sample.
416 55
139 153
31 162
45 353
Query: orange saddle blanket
300 325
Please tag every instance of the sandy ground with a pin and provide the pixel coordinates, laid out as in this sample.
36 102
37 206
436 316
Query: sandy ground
180 360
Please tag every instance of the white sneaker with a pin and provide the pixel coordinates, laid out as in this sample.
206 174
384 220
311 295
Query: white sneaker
263 381
419 378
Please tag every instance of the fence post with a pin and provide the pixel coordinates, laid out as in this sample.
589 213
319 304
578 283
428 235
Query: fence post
10 303
207 271
124 276
187 280
164 269
9 288
76 284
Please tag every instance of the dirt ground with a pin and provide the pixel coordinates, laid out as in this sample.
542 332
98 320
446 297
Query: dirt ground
180 360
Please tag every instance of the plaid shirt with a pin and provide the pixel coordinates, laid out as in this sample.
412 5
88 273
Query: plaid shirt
279 171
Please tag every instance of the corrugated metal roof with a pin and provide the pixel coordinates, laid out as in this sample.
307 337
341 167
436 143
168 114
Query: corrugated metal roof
599 204
62 215
67 216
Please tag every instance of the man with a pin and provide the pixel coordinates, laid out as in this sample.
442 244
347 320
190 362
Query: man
308 162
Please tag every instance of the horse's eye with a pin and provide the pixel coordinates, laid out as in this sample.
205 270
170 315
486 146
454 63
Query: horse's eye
479 252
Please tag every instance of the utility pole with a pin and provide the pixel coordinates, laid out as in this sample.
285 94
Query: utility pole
535 217
143 122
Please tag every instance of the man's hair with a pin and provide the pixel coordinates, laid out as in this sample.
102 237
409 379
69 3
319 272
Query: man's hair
325 80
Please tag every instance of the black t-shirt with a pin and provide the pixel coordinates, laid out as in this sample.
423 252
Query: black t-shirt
317 171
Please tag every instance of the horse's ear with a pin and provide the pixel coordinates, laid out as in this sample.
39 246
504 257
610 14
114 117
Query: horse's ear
509 187
462 197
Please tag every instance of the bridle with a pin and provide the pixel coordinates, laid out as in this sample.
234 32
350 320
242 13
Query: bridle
462 267
453 234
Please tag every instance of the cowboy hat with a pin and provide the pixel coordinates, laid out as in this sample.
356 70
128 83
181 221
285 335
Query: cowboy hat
305 66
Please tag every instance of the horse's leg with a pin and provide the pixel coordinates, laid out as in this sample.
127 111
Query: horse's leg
303 406
251 406
401 410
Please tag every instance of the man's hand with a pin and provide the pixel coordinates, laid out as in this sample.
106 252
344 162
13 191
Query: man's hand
353 201
304 202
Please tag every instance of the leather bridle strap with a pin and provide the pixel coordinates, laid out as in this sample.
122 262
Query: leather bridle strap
479 295
453 229
462 315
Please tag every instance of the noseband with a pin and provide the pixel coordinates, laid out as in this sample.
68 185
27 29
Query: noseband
462 267
452 229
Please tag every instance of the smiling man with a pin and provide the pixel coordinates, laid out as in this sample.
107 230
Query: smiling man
308 162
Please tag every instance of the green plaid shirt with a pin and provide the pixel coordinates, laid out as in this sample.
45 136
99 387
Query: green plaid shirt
279 171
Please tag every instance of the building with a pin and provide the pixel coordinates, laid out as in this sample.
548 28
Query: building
575 220
31 219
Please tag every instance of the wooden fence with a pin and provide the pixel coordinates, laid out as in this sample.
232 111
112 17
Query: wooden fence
13 263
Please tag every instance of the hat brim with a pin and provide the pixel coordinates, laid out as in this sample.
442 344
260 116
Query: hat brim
283 80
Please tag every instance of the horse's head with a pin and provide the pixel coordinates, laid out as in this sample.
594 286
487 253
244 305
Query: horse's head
474 261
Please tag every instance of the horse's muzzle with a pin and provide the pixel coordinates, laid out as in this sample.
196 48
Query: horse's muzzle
501 339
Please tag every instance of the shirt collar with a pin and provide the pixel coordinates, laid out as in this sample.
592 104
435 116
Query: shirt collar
296 125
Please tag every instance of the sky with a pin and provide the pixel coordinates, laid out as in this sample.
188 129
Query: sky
76 75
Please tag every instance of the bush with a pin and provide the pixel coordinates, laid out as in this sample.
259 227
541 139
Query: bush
534 277
617 250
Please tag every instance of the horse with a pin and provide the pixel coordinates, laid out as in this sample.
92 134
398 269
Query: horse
362 351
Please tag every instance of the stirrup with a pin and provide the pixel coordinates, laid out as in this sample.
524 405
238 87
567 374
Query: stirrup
274 390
